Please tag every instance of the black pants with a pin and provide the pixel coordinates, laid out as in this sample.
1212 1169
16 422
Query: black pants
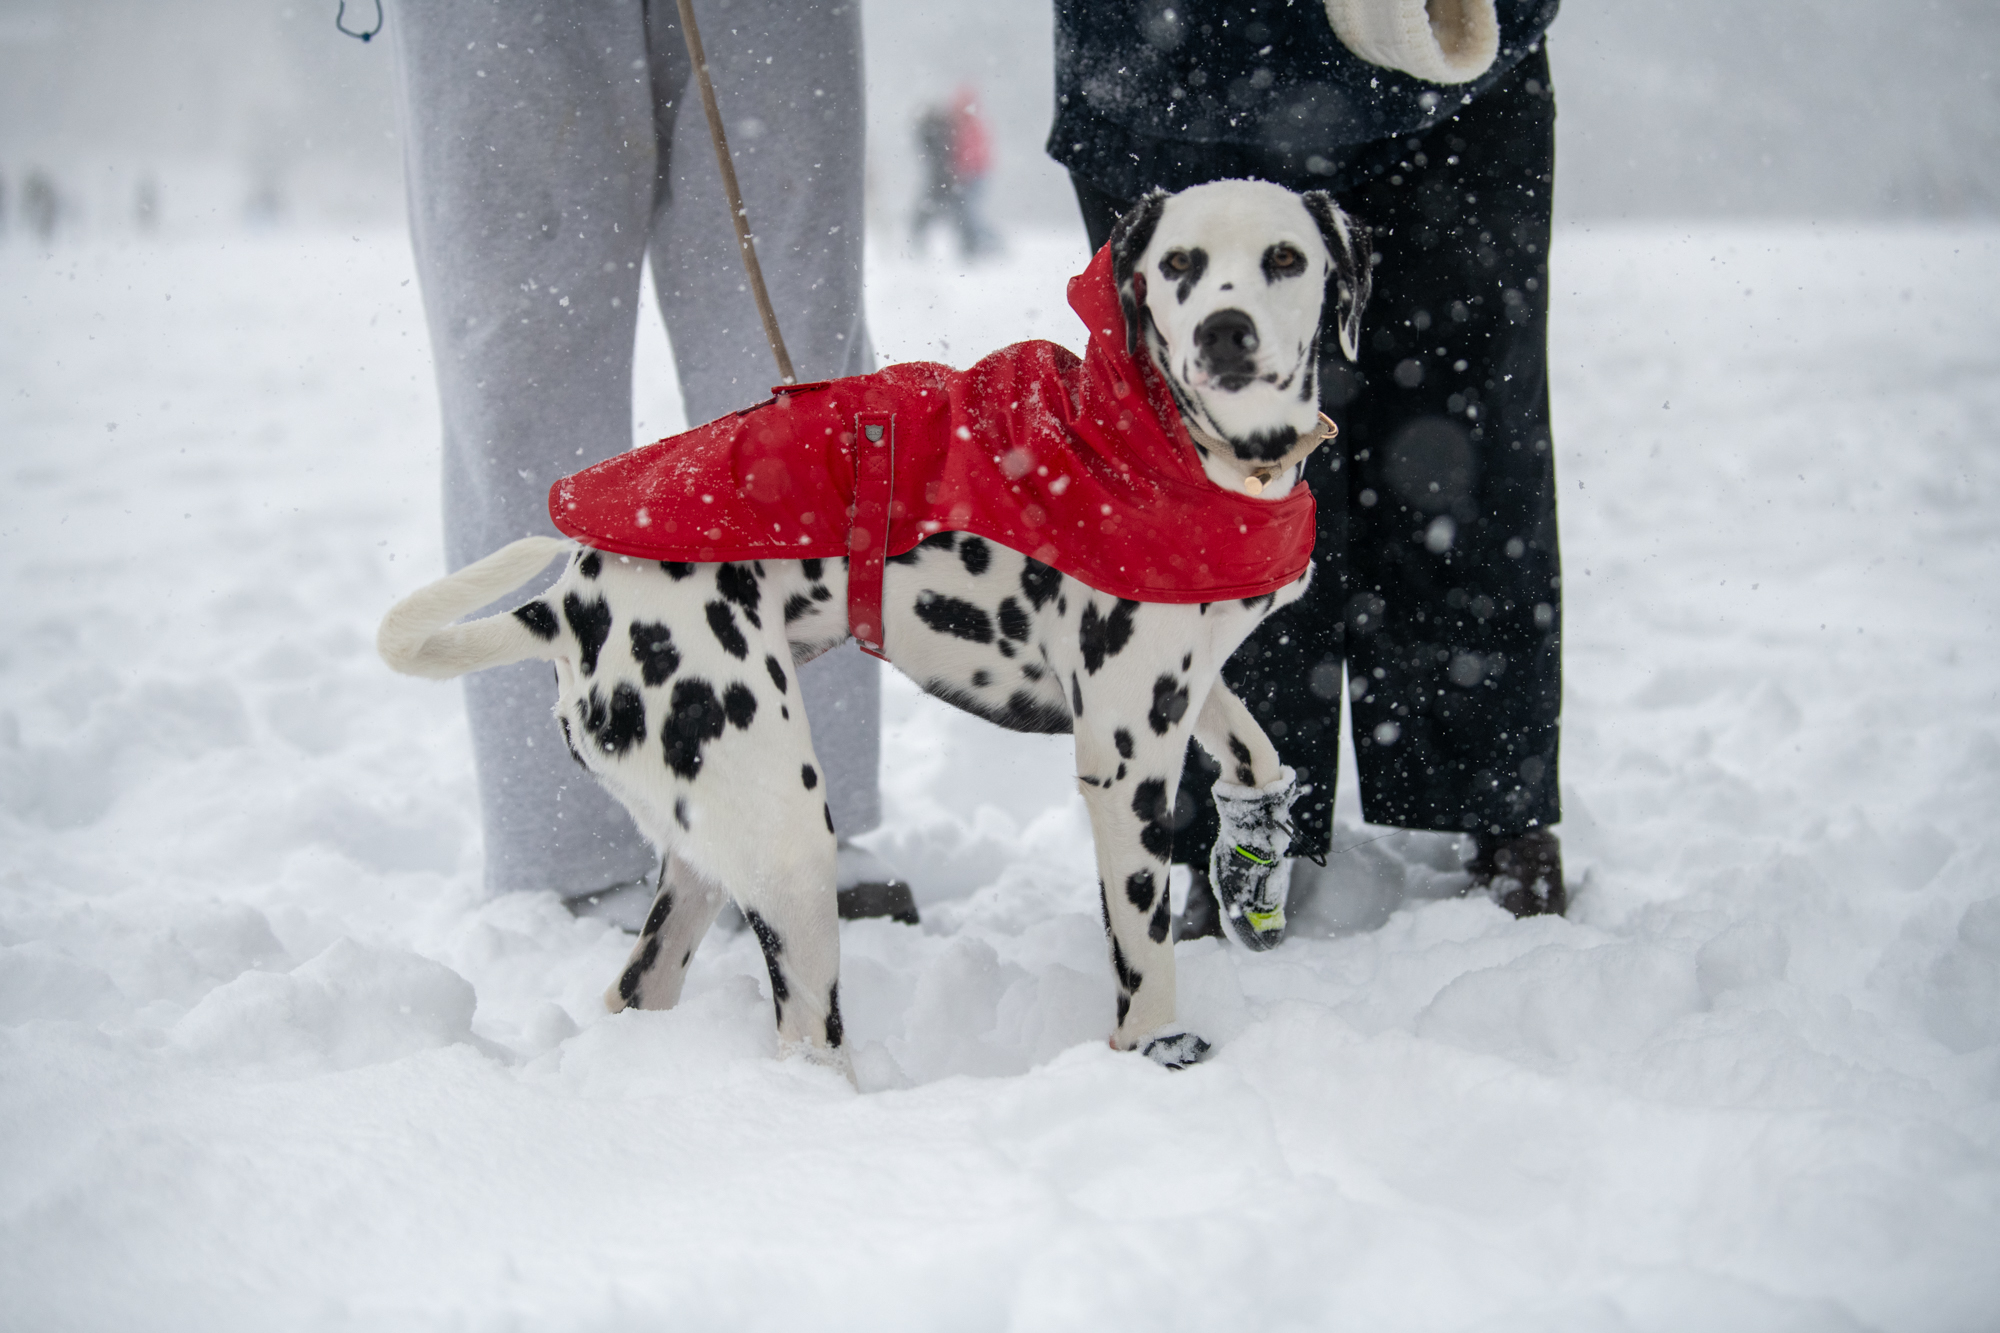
1437 580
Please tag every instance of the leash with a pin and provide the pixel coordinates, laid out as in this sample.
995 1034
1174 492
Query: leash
691 33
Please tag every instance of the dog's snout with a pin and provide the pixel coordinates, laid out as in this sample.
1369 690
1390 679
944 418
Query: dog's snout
1227 343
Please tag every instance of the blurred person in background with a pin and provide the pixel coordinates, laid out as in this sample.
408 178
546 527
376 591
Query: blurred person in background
549 153
957 151
1437 583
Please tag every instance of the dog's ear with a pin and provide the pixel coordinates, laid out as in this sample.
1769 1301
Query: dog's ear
1353 275
1130 236
1133 232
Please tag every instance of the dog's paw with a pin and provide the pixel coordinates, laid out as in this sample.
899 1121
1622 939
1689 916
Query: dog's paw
818 1056
1175 1050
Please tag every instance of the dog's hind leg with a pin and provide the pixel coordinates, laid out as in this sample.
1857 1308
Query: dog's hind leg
791 906
682 912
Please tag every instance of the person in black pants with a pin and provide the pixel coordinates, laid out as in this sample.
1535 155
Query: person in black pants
1438 582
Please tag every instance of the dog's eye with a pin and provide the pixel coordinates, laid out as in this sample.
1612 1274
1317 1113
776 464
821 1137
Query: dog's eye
1177 261
1284 259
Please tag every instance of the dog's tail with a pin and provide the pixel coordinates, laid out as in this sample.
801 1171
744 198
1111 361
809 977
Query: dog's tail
417 637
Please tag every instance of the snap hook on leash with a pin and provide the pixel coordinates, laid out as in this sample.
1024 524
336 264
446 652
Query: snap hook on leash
340 22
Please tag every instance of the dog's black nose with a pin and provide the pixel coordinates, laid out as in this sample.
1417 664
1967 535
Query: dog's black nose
1227 343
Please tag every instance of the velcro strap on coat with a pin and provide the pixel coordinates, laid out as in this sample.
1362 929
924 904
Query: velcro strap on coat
868 530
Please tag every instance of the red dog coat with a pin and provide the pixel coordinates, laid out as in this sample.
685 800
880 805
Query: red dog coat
1083 465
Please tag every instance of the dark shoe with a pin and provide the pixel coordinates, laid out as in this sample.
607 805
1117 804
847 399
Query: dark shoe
890 898
1524 873
867 888
1201 917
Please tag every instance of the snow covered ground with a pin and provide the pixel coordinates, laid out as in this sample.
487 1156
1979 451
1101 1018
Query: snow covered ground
268 1061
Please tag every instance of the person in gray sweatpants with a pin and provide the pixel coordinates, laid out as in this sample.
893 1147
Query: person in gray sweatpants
549 152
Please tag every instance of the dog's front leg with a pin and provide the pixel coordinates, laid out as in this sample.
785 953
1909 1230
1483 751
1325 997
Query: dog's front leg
1250 866
1129 775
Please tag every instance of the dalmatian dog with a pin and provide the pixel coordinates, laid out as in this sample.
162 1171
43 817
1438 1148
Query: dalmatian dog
675 682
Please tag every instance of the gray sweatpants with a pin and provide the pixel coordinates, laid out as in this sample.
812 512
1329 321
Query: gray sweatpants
549 150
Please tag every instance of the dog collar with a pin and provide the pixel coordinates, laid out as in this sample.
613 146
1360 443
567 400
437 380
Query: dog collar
1259 478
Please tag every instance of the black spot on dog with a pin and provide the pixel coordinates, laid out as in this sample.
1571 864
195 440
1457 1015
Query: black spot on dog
1245 775
1150 803
695 719
777 672
628 985
653 649
827 811
954 616
591 623
676 570
617 726
684 958
797 605
1162 922
1023 710
662 906
768 941
740 705
1140 888
1123 740
1252 603
981 678
723 621
1264 446
570 741
1062 606
937 541
821 593
809 775
681 812
1129 977
1039 582
1170 704
1013 620
1007 649
1104 636
1075 696
976 555
738 583
814 570
1185 279
590 564
835 1030
1124 1007
1187 660
1120 775
539 618
1104 908
1031 670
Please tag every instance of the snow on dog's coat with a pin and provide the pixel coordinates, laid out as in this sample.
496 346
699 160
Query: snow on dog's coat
675 684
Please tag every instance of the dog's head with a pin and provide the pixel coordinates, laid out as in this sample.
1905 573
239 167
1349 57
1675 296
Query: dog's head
1229 286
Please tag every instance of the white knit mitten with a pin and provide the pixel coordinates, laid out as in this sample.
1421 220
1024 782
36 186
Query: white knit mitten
1250 868
1438 41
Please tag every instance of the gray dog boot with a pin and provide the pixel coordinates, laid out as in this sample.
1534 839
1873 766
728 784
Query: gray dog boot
1250 868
